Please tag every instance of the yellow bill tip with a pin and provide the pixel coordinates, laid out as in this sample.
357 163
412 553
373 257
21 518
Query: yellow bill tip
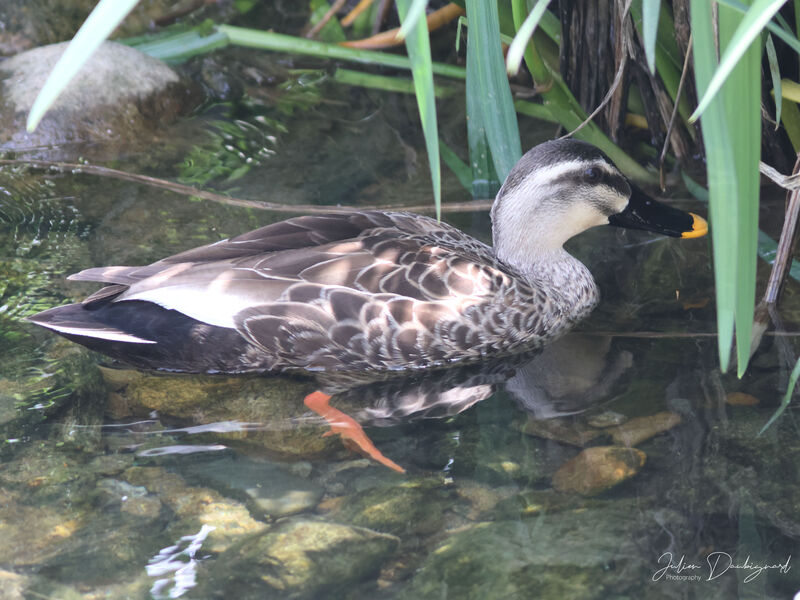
699 227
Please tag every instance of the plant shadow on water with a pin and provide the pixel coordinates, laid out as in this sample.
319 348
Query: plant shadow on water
613 463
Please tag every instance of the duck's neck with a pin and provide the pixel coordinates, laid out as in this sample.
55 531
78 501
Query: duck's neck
564 278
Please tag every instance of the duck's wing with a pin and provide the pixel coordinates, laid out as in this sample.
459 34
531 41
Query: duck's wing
391 288
299 232
388 253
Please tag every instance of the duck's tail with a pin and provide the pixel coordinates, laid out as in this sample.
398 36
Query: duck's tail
75 320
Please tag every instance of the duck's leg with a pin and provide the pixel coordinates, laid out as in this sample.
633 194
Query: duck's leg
347 427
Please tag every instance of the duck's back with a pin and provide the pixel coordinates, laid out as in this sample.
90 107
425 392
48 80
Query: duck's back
357 291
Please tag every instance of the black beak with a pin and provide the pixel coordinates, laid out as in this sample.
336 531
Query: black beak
645 213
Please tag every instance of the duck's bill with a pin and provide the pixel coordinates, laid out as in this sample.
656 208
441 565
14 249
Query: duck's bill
645 213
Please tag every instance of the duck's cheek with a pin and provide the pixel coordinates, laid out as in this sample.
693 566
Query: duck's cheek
620 205
581 218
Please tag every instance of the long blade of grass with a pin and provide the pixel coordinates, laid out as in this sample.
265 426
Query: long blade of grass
742 101
459 168
743 104
98 26
524 33
495 102
178 47
796 16
780 29
790 90
651 9
721 179
750 27
790 118
775 73
384 82
419 52
731 130
484 179
551 26
787 397
278 42
415 11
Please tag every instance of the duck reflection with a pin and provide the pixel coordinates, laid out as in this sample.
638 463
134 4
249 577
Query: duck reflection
566 377
572 375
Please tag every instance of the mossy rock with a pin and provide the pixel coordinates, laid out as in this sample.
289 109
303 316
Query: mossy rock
410 508
300 559
588 553
121 100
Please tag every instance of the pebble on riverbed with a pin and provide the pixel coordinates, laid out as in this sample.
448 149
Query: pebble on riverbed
640 429
561 430
598 469
741 399
607 418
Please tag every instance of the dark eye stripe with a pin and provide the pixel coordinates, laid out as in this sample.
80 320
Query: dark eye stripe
619 183
614 181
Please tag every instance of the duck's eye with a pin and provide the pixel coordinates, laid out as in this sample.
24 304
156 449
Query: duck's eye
592 175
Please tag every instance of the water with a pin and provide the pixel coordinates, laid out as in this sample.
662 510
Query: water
116 483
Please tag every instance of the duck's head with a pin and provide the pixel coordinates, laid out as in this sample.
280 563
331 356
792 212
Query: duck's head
563 187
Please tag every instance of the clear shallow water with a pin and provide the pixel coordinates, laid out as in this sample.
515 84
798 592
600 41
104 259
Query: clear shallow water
118 484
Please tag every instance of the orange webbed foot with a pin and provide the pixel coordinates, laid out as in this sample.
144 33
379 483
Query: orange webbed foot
348 428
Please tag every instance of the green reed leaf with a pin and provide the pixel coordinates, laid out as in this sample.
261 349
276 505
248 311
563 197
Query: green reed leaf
485 62
721 179
419 52
732 135
775 73
749 28
413 15
279 42
787 397
523 36
742 101
651 9
780 29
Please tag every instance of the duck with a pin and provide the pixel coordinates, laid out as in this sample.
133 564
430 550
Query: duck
373 291
349 296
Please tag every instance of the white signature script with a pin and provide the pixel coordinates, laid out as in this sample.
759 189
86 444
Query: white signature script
717 564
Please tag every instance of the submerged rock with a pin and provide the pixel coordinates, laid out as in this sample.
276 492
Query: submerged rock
640 429
298 558
410 508
258 413
741 399
14 586
607 418
532 503
565 431
119 100
598 469
195 507
271 490
588 553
